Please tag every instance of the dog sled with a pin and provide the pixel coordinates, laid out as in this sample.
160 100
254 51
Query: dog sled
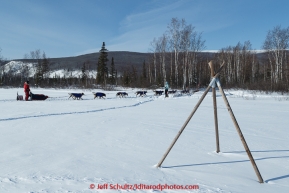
19 97
33 97
37 97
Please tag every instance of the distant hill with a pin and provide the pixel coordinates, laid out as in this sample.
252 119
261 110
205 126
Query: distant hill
121 59
72 65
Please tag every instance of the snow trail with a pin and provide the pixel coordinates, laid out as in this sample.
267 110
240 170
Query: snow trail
76 112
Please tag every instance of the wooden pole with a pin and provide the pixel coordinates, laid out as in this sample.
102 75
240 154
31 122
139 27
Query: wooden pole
183 127
189 118
240 133
211 64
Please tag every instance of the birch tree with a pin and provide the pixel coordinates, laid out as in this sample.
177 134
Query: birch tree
154 48
185 48
175 40
162 47
40 65
276 45
197 44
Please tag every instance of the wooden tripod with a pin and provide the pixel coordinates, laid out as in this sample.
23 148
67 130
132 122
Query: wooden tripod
215 81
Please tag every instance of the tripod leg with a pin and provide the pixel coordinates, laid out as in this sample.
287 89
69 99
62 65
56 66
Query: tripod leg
184 126
216 119
240 133
212 66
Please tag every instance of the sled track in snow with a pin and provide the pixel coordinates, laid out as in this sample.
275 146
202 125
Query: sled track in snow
65 98
77 112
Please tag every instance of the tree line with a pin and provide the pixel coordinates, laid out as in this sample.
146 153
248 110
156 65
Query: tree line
178 57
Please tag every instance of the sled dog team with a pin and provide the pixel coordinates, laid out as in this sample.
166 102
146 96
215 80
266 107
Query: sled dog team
99 95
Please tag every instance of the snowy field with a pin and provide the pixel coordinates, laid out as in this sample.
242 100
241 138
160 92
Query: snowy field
62 145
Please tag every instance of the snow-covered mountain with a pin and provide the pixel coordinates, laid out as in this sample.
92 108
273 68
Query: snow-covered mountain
18 67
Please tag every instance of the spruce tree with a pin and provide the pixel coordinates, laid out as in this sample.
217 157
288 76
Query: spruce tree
83 74
116 77
102 70
112 72
45 67
134 75
144 75
126 78
38 76
144 70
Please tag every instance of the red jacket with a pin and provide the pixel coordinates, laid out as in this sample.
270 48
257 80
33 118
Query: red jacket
26 87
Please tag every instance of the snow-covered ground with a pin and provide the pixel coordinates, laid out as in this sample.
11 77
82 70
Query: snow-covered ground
62 145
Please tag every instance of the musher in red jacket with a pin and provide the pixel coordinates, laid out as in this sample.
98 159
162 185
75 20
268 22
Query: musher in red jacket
26 90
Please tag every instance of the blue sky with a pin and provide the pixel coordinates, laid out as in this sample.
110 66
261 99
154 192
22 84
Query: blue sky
64 28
